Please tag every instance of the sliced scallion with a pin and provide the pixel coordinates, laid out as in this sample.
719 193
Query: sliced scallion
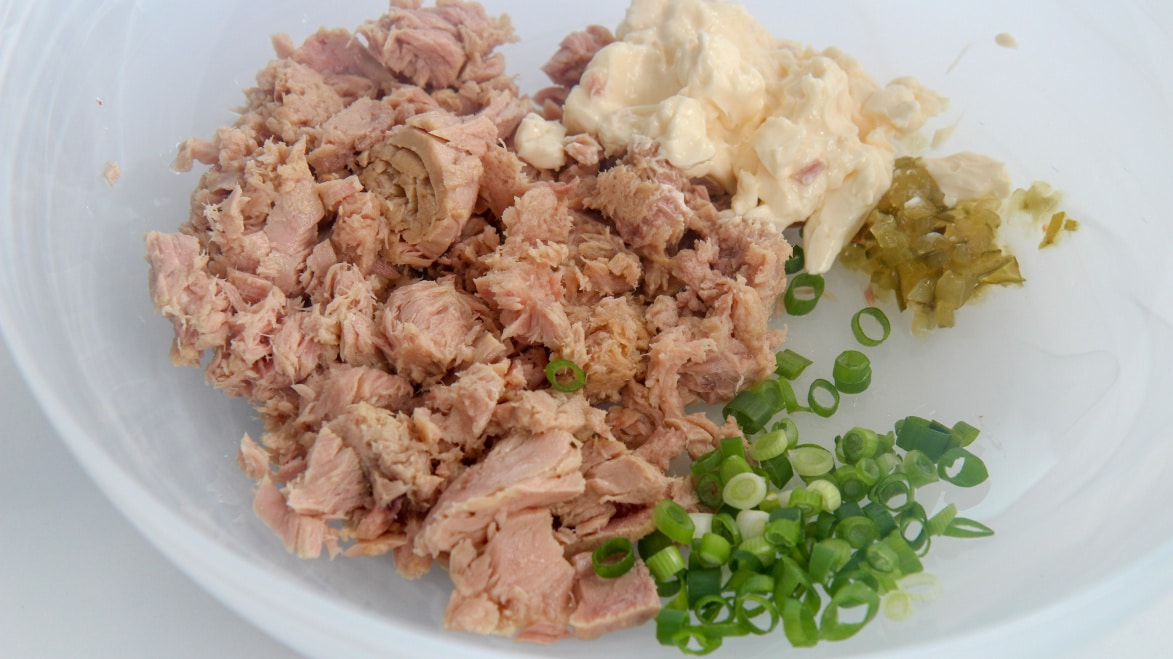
769 445
796 262
919 468
578 377
798 623
754 406
744 490
861 335
811 460
665 563
853 594
803 293
826 389
963 527
830 493
852 372
972 471
614 558
672 520
859 443
789 364
712 550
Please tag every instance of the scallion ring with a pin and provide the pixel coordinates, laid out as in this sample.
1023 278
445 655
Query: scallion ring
789 364
745 490
796 262
614 558
852 372
875 314
803 293
811 460
557 366
672 520
821 386
972 472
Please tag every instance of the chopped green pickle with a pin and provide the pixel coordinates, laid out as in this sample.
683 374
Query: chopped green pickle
932 257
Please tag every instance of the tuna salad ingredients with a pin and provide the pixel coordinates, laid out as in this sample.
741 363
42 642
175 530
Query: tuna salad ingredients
371 265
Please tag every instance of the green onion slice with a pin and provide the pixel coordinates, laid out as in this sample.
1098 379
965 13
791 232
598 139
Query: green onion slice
853 594
665 563
796 262
779 470
862 336
669 621
896 605
710 461
732 466
798 623
614 558
760 548
789 364
706 642
811 460
701 581
770 444
827 556
962 434
963 527
808 501
803 293
921 586
829 492
754 406
713 609
744 491
784 533
730 446
826 388
972 472
652 543
894 492
939 522
752 523
919 468
859 532
672 520
882 557
852 372
749 607
712 550
708 489
859 443
725 526
914 432
915 519
868 471
557 366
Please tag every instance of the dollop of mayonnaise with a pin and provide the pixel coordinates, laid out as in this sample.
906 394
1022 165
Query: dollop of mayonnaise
967 175
793 134
539 142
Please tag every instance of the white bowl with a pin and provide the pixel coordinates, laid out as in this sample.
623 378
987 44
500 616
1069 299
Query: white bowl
1070 378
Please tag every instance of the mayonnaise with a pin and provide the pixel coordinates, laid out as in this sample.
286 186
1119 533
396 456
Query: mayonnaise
966 175
539 142
793 134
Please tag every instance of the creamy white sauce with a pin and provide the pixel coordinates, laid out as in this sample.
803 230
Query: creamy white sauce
539 142
966 175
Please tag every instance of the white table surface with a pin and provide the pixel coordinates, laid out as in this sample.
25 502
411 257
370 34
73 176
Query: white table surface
76 580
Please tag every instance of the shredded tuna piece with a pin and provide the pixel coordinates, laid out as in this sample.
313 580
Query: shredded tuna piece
372 267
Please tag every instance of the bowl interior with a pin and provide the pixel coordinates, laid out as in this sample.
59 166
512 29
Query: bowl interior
1068 377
